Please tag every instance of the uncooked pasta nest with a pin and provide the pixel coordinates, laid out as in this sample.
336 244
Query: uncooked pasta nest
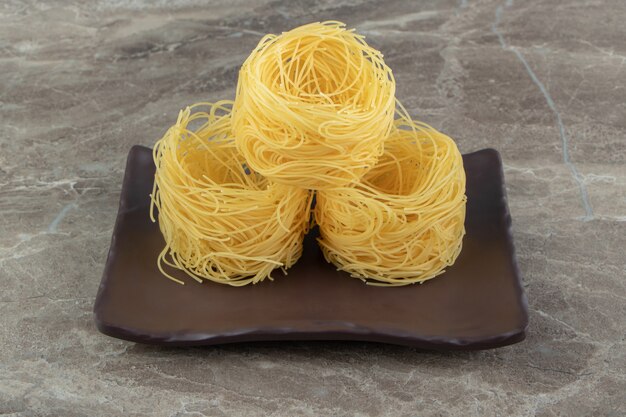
313 106
221 221
403 222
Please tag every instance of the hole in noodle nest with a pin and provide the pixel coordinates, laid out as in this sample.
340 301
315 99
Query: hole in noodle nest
196 124
385 176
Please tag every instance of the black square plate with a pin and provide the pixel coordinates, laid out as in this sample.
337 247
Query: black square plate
477 303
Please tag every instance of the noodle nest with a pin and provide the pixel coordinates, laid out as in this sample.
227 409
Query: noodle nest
403 223
313 106
221 221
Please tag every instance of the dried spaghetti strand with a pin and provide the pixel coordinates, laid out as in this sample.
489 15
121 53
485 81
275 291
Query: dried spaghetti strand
314 106
403 223
221 221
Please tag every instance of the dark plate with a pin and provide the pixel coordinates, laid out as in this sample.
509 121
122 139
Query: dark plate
477 304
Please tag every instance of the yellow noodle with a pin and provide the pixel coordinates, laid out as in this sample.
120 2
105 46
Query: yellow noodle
403 222
314 106
314 110
221 221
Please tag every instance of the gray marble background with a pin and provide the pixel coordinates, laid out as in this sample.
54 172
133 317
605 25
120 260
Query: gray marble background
542 81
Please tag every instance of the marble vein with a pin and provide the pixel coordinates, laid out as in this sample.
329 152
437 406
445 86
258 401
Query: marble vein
578 178
81 82
54 224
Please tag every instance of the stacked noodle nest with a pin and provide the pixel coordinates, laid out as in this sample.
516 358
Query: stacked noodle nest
403 221
221 221
314 113
317 94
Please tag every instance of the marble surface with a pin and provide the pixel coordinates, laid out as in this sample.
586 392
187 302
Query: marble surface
542 81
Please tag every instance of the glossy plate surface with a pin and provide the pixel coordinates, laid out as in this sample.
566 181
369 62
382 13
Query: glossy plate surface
477 304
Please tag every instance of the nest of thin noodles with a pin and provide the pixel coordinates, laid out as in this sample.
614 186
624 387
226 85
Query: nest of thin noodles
221 221
314 106
403 223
